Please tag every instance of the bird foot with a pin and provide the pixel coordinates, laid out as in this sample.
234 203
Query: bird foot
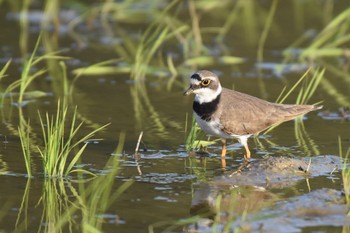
244 165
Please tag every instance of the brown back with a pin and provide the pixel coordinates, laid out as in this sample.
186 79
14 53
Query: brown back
245 114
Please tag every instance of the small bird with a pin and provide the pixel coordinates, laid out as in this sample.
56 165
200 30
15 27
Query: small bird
227 114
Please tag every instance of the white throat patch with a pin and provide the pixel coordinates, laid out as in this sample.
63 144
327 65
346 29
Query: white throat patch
206 95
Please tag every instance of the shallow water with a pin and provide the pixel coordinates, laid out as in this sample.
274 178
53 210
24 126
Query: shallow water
166 178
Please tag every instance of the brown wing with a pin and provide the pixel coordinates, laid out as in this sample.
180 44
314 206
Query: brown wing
245 114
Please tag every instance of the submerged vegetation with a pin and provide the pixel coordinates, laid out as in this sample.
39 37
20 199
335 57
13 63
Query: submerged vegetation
152 47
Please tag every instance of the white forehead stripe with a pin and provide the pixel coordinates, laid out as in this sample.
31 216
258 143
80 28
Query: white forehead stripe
206 77
211 78
195 81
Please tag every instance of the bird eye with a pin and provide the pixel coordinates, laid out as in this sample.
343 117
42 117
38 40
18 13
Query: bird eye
205 82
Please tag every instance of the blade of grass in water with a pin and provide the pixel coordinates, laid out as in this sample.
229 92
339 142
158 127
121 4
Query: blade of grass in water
264 34
309 88
345 170
4 69
23 132
194 139
93 200
210 60
305 93
57 148
281 98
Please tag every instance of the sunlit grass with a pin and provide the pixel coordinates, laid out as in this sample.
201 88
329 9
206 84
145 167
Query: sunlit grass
22 85
265 32
304 95
27 76
330 40
326 48
144 55
195 136
19 88
308 83
192 135
70 204
328 43
62 149
24 133
92 200
4 69
56 150
309 87
59 145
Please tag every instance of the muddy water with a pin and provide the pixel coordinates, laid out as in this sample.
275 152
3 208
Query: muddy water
170 184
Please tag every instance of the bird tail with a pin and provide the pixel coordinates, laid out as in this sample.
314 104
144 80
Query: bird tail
293 111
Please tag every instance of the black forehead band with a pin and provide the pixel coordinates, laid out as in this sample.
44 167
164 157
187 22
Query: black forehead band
196 76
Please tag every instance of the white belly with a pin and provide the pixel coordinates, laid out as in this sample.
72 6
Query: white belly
213 128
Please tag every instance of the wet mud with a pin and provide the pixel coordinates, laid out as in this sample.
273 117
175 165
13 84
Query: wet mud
249 199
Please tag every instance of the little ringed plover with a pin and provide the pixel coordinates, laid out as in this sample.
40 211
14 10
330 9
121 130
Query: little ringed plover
227 114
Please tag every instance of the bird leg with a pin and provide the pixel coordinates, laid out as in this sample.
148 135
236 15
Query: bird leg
247 155
223 153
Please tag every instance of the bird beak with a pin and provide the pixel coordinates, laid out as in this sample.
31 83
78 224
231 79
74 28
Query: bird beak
189 91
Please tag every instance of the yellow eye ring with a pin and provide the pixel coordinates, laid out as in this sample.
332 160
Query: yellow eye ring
206 82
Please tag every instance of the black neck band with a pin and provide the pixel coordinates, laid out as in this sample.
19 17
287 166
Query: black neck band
205 110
